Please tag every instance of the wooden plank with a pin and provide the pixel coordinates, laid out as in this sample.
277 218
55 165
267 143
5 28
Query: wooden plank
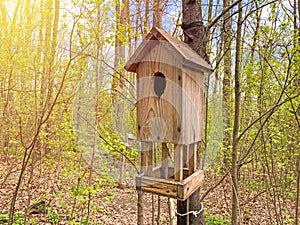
185 157
165 159
162 187
147 149
190 185
192 156
178 163
170 188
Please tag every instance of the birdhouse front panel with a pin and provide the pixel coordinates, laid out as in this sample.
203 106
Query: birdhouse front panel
159 106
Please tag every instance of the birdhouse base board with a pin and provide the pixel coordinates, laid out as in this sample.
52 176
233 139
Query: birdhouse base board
168 187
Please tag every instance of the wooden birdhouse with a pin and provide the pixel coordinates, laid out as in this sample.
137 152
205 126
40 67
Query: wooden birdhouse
170 113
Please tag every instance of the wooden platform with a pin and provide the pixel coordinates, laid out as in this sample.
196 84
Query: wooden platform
168 187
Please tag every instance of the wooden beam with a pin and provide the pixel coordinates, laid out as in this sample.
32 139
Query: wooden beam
178 162
185 156
192 158
163 187
165 158
147 161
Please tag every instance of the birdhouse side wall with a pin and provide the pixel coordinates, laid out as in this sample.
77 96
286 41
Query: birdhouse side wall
193 105
159 118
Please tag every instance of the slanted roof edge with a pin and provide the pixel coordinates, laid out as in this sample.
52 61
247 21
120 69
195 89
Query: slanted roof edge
182 48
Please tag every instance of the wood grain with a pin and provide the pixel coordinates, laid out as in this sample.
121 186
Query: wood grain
178 163
159 118
180 190
165 159
147 148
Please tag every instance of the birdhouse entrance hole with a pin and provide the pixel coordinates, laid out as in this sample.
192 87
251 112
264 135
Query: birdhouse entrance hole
159 84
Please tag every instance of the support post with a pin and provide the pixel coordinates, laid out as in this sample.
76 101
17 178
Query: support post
194 199
140 207
147 149
146 167
164 164
178 162
182 206
192 158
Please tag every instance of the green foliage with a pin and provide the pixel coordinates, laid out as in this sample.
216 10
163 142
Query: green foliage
4 218
108 199
35 64
114 145
18 218
215 220
84 222
33 221
164 220
111 192
54 217
253 184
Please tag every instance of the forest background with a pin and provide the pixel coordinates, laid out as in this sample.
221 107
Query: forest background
61 57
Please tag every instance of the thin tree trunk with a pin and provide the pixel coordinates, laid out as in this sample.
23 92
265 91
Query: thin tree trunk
298 24
153 209
147 15
94 148
235 141
298 191
138 20
157 15
140 206
158 210
115 80
226 39
172 210
140 201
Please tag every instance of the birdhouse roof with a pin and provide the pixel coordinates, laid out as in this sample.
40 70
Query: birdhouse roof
156 35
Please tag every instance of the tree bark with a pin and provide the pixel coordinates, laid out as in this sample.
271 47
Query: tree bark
226 39
193 28
157 15
298 191
195 34
140 206
235 135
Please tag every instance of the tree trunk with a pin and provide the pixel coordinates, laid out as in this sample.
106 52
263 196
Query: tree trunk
226 39
235 140
193 28
140 200
298 191
140 206
195 34
157 15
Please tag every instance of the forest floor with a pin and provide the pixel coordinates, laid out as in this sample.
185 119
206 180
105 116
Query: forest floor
66 197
